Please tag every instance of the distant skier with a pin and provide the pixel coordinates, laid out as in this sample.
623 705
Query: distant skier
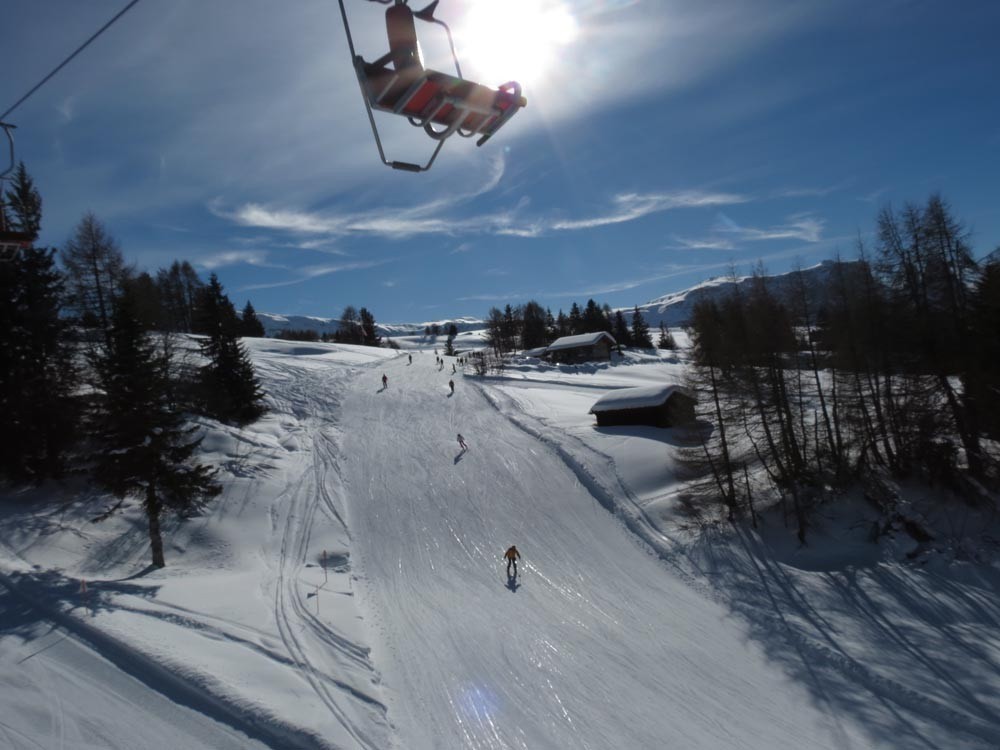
385 381
411 359
461 442
451 384
512 556
453 370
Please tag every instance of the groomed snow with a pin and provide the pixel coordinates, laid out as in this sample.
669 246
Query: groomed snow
346 590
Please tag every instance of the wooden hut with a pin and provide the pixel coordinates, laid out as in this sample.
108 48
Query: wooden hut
656 406
585 347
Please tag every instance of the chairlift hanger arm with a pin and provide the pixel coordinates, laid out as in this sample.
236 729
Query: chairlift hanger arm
7 128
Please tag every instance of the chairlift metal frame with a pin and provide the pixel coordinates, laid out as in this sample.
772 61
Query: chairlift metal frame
439 103
11 242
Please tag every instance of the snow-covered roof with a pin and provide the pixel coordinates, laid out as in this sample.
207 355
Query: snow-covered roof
581 339
638 398
535 352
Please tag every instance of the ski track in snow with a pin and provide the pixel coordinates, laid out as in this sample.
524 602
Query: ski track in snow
589 649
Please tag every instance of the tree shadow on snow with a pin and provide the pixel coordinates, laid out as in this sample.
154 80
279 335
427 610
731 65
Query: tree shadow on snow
45 592
905 652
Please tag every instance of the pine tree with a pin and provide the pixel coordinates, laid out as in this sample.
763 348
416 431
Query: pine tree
146 294
593 318
551 326
369 331
640 331
38 414
533 326
666 341
146 448
231 391
562 326
620 330
575 320
24 204
349 327
983 381
250 324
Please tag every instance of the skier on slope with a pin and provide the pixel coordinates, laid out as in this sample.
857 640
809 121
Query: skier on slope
461 442
512 556
411 359
385 381
451 384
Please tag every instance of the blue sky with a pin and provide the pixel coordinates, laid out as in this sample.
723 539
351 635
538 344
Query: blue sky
662 143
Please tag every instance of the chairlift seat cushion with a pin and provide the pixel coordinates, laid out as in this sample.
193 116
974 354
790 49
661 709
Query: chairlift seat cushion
428 95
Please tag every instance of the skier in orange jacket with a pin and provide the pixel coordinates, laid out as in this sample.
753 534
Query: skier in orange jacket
512 556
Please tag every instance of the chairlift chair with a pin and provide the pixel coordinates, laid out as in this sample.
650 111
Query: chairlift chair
440 103
11 242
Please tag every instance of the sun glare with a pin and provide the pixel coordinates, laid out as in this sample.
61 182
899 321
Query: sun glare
519 40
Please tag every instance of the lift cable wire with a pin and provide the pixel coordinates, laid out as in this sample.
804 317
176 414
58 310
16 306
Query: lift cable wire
65 62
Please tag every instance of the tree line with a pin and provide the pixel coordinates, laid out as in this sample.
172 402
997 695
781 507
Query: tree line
896 374
530 326
94 380
353 327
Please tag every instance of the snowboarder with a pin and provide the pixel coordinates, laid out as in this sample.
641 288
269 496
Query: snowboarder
512 556
451 384
461 442
385 381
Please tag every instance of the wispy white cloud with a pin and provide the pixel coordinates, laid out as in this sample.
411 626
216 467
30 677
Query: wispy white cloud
874 196
727 235
800 227
687 243
435 217
311 272
234 257
806 192
632 206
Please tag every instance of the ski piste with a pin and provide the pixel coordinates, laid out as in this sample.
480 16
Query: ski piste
347 590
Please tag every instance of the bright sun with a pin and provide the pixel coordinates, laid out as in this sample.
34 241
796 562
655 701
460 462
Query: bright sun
513 40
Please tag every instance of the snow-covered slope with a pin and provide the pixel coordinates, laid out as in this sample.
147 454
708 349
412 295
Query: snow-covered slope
594 645
346 590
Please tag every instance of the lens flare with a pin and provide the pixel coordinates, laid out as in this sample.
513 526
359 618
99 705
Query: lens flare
520 40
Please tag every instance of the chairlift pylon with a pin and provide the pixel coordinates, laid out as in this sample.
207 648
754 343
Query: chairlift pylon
11 242
439 103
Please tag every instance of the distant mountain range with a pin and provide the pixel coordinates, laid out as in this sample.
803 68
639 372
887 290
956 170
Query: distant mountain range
274 324
672 309
675 309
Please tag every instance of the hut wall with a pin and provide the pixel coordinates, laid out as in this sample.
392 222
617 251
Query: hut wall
651 416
